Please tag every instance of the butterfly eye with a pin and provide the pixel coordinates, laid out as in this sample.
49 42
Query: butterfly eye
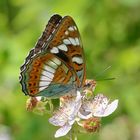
87 85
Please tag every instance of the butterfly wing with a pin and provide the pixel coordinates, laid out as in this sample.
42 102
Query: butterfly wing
66 44
43 40
57 65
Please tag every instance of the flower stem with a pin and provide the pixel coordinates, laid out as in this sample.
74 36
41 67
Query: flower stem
73 136
51 106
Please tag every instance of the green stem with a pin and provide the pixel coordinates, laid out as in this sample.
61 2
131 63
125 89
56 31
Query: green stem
73 135
51 106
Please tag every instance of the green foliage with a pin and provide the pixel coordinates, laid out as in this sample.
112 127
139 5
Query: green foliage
110 33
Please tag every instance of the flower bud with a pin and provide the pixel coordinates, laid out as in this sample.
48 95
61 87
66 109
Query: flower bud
91 124
31 103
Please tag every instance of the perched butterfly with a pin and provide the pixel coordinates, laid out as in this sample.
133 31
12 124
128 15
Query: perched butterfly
55 66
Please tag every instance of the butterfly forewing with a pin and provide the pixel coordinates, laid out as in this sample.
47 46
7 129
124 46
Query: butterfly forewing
67 45
59 66
44 39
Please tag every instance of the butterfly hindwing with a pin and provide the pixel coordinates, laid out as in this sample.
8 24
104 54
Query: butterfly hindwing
44 73
56 64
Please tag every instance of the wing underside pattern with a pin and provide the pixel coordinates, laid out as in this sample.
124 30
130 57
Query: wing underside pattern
56 65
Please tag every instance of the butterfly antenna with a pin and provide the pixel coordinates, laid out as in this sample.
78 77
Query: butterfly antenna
101 74
97 77
106 79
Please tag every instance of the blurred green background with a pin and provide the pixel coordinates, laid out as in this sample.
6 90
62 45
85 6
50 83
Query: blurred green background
110 32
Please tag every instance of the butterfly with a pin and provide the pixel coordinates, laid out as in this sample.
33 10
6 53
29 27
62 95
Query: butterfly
56 65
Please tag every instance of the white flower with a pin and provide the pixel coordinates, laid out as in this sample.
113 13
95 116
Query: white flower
99 106
75 108
66 115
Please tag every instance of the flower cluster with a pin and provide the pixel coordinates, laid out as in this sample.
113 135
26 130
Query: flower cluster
82 109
